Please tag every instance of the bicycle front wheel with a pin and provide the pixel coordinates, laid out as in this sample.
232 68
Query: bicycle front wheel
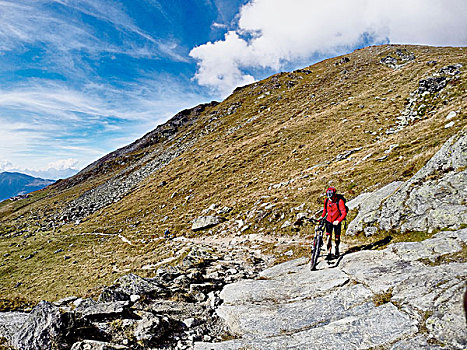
317 243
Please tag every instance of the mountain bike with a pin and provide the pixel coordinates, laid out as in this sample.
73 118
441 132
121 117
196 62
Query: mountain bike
317 241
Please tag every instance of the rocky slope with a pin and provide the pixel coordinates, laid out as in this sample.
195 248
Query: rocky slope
408 295
401 297
432 199
240 173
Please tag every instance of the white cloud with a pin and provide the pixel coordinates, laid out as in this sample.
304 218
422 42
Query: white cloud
63 164
50 121
5 165
219 25
273 32
56 170
220 63
35 22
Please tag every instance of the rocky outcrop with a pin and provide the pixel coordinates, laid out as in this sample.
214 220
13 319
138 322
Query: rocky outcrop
424 100
398 58
205 222
131 284
169 311
397 298
11 322
368 207
434 198
41 330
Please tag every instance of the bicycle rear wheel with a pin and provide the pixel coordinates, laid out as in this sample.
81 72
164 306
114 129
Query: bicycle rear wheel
316 248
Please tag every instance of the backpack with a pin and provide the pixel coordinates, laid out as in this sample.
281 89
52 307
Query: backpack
339 197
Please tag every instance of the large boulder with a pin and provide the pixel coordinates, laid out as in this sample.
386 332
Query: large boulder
131 284
434 198
149 329
43 329
368 206
205 222
11 323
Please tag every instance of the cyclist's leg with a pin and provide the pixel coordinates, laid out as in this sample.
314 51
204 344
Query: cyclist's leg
329 236
337 233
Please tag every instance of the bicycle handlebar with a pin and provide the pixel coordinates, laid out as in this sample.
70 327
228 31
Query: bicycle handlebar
318 221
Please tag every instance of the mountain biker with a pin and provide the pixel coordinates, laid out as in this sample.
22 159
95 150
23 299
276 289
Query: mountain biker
334 206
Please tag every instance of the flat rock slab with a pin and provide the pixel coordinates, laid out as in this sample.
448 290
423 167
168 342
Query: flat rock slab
385 299
269 319
283 283
379 326
103 310
205 222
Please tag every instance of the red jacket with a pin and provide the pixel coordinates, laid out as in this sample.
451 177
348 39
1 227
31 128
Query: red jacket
334 212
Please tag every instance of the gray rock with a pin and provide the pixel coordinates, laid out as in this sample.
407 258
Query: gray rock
451 69
289 305
298 282
65 301
368 206
102 310
447 323
269 318
389 61
205 222
443 243
41 330
431 84
386 324
128 285
80 302
10 323
149 329
368 267
434 197
347 153
96 345
418 342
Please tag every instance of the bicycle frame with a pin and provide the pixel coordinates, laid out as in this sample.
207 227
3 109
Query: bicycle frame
317 242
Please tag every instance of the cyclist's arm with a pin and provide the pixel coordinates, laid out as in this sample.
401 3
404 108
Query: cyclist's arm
342 211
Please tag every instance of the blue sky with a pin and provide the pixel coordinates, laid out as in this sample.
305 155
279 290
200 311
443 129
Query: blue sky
80 78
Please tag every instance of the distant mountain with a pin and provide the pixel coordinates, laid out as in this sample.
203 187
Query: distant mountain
14 184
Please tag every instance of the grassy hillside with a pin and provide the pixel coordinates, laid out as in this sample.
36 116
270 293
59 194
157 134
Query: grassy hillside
268 148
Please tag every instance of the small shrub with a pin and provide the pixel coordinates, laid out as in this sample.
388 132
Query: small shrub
382 298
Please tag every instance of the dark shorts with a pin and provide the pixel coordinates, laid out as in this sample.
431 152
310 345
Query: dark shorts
330 227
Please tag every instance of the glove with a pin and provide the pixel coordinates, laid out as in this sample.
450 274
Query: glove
335 223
